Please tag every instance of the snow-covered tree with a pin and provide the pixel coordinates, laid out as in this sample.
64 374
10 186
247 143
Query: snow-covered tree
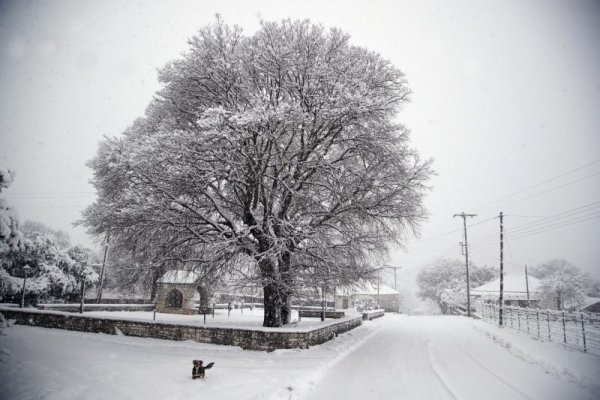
561 283
280 146
10 236
32 228
82 264
445 283
53 272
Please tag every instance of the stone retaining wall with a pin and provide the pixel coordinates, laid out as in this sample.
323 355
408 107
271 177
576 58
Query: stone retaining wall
248 339
117 300
317 314
369 315
96 307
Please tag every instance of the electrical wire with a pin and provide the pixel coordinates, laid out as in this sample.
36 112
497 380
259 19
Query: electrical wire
540 184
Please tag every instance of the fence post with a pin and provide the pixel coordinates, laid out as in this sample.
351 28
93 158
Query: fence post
548 319
519 319
527 316
564 327
537 317
583 334
510 316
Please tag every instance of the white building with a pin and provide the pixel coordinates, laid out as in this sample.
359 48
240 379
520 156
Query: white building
515 291
368 295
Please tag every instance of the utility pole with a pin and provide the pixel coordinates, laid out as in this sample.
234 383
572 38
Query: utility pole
501 308
395 269
378 279
527 285
464 217
102 271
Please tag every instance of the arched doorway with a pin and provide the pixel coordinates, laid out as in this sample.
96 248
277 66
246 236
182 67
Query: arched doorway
174 299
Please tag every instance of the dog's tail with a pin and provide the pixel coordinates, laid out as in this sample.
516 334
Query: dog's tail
209 365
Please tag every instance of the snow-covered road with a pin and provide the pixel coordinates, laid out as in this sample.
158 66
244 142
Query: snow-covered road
439 358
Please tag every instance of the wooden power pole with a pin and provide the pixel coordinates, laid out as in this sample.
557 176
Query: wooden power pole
527 285
101 283
466 247
501 306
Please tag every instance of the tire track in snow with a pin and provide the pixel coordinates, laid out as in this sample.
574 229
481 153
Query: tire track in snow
437 373
561 372
464 351
490 372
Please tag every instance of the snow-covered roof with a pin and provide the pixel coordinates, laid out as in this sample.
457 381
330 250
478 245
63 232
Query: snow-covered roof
368 289
179 276
514 287
588 301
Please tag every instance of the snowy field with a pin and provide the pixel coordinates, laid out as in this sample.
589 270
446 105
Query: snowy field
252 319
391 357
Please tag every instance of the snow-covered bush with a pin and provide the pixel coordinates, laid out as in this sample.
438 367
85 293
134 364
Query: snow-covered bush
53 273
10 235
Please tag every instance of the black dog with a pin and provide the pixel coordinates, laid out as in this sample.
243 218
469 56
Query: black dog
198 370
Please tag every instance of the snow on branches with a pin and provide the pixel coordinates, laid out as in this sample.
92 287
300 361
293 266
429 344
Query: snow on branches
10 235
280 146
444 281
53 272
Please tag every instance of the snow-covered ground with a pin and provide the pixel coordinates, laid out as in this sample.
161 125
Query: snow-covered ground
391 357
252 319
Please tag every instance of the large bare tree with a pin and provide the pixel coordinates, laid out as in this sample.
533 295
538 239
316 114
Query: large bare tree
280 146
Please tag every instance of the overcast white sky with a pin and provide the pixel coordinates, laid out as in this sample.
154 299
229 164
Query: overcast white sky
506 100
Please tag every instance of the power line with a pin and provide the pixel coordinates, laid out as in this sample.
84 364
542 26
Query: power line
540 184
585 218
547 228
571 213
48 194
569 172
552 189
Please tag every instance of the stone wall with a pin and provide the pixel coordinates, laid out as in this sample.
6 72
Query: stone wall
317 314
249 339
369 315
96 307
117 300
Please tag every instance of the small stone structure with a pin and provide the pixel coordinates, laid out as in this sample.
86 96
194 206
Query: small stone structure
383 296
177 291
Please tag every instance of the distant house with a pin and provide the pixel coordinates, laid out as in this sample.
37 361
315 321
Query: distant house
368 295
515 291
177 292
591 305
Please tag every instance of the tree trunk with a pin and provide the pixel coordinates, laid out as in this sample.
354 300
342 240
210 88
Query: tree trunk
204 298
272 290
286 292
272 305
286 308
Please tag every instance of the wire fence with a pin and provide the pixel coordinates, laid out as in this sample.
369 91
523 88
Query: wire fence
574 330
